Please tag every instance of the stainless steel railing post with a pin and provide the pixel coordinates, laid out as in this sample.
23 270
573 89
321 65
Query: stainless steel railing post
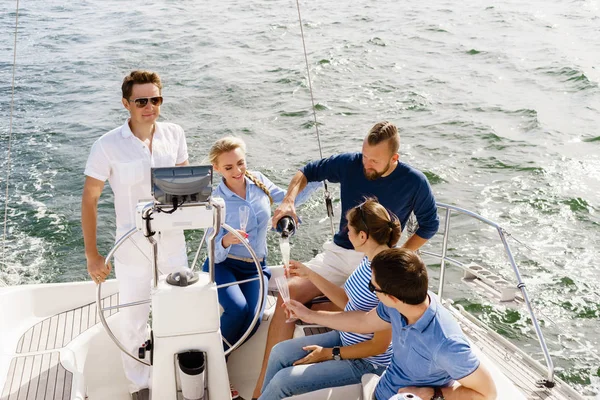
534 321
444 251
520 284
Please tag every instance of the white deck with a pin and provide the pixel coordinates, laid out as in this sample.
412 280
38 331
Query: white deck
57 331
37 373
62 352
38 377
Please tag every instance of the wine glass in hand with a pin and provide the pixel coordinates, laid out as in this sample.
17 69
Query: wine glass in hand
284 291
244 212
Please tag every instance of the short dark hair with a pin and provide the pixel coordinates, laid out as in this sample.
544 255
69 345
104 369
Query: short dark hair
383 131
401 273
139 77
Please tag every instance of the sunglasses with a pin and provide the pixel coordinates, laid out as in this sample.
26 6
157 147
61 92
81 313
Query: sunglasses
142 102
373 289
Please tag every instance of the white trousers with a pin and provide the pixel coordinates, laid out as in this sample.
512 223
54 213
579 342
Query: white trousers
134 275
335 263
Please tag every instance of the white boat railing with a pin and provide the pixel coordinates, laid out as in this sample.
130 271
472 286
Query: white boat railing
449 210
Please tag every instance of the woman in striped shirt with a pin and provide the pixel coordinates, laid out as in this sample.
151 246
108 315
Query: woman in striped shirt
336 358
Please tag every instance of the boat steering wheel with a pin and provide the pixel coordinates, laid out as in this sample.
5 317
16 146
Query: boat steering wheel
232 347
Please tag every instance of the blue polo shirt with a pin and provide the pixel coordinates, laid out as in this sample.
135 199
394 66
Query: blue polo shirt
403 191
431 352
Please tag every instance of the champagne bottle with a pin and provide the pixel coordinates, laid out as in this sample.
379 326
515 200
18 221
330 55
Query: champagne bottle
286 226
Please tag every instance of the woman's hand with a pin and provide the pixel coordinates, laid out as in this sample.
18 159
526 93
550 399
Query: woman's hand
317 354
298 310
296 268
230 239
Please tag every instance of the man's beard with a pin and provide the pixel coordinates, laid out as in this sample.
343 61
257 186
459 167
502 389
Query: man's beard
374 174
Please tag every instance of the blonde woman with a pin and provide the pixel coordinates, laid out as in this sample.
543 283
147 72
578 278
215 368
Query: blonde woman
240 187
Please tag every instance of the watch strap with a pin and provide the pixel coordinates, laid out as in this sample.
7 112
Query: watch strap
336 353
437 394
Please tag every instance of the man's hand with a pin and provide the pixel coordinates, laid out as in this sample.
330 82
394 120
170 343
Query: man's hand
425 393
285 208
97 269
298 310
317 354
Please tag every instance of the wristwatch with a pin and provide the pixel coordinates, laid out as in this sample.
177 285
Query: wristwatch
437 394
336 354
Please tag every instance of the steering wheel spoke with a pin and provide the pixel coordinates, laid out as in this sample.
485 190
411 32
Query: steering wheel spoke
238 282
125 305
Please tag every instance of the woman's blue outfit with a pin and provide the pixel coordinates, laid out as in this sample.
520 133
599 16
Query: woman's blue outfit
284 379
239 302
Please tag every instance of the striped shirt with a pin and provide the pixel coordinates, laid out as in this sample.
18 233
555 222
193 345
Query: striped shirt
362 299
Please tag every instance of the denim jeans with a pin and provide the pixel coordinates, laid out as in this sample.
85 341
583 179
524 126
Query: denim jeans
282 379
238 301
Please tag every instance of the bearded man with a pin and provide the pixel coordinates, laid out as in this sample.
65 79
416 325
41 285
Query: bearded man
374 172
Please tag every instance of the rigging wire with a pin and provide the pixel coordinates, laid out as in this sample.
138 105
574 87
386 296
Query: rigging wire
328 202
12 107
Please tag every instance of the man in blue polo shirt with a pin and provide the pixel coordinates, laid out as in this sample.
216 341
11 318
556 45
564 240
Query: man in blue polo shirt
374 172
430 352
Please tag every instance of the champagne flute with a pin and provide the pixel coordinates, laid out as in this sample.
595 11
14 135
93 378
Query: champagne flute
244 212
284 291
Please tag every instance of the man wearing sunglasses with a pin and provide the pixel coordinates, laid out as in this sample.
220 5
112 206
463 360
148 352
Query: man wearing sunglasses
377 172
430 351
124 157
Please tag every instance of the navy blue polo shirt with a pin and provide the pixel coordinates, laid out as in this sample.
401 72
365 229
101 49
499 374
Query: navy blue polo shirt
405 190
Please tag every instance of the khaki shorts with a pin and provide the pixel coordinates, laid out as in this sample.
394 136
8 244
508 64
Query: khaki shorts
335 263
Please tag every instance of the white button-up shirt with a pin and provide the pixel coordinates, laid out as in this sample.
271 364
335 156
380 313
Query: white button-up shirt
125 161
